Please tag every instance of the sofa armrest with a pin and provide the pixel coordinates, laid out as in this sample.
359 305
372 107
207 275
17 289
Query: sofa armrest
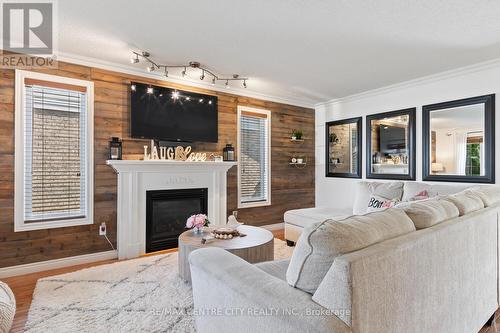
232 295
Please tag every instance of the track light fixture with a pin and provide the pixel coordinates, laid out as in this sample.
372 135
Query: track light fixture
135 59
192 64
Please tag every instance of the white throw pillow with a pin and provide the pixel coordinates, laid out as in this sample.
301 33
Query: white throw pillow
378 203
412 190
321 243
365 190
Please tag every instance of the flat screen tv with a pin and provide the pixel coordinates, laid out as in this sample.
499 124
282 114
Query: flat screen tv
392 139
172 115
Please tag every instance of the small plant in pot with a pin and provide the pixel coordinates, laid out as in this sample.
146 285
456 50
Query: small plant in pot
297 134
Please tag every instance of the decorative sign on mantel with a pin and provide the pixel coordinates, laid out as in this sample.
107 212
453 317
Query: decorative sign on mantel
178 153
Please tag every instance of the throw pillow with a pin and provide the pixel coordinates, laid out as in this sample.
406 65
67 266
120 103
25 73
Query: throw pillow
378 203
320 244
364 191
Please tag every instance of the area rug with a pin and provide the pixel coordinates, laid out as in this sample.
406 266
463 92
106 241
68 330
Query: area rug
139 295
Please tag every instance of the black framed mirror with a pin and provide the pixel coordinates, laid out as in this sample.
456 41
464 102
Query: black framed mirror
390 145
343 148
459 140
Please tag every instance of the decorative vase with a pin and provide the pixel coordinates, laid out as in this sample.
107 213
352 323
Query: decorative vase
197 230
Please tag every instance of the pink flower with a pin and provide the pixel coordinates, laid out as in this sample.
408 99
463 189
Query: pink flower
200 220
190 221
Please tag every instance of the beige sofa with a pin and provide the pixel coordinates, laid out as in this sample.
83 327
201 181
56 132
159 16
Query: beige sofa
297 219
443 277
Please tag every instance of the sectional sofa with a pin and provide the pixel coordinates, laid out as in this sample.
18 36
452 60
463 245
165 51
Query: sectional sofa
295 220
428 265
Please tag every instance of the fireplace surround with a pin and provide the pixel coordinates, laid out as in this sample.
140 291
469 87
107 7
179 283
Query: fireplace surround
136 177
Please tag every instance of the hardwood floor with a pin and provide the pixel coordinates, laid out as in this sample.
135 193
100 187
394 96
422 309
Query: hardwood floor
24 285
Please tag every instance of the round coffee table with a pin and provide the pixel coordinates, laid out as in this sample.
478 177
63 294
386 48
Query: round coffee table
256 246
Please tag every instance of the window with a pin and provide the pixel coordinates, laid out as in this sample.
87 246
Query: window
54 167
254 138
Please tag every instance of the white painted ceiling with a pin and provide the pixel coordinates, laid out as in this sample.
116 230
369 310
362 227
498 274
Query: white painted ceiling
307 51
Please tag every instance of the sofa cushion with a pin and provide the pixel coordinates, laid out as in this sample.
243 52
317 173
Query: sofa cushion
466 202
413 190
276 268
364 191
307 216
490 195
426 213
321 243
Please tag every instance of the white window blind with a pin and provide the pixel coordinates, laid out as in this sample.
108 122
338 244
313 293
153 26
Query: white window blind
253 157
55 161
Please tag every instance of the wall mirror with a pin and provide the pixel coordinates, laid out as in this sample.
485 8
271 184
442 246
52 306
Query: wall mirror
390 145
458 140
343 148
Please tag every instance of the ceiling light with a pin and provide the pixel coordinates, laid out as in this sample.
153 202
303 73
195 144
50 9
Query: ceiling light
175 94
188 98
133 87
192 64
150 90
201 100
209 102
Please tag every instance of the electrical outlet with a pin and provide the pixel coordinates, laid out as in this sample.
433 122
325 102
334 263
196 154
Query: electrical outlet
102 229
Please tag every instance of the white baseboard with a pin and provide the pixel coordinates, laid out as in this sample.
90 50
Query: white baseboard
276 226
56 263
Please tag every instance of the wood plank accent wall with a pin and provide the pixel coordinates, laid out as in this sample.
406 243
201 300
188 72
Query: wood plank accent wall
290 187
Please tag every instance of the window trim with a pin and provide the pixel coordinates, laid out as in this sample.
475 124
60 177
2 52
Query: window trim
267 113
20 93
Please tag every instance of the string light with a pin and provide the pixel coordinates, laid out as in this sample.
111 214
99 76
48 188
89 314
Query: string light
150 90
133 87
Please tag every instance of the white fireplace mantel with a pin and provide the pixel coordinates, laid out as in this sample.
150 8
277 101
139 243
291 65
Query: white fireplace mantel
135 177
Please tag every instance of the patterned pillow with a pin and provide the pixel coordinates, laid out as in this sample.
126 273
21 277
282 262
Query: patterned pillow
377 203
420 196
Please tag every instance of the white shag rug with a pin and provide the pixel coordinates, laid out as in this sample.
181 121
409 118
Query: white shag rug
139 295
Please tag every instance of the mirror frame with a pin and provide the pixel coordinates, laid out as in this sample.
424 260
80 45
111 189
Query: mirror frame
411 112
359 123
489 135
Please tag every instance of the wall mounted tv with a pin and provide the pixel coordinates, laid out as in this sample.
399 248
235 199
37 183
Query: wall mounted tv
172 115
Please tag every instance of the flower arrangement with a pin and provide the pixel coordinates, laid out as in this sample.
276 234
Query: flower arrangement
197 222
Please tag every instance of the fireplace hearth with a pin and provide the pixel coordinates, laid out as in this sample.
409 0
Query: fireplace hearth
166 214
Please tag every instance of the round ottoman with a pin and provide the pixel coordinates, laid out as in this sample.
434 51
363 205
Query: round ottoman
7 307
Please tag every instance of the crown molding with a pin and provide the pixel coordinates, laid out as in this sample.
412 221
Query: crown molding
469 69
121 68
